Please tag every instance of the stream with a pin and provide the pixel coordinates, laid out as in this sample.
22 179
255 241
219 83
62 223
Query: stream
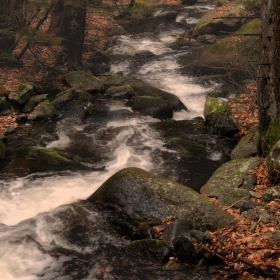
38 205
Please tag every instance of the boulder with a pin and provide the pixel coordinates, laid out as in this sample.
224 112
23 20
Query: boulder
219 19
118 30
226 181
33 102
44 111
23 93
143 89
83 80
185 249
247 146
142 195
151 106
62 98
229 52
271 194
218 117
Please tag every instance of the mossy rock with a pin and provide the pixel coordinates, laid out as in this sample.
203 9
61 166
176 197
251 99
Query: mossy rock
62 98
247 146
142 195
23 93
120 92
213 22
271 136
39 159
273 159
33 102
218 117
2 150
229 52
44 111
225 182
151 106
83 80
153 249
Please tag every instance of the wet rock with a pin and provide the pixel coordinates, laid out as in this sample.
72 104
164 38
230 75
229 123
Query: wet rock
23 93
171 265
247 146
271 194
118 30
201 236
2 150
39 159
142 195
143 89
166 15
225 182
122 92
218 117
144 53
249 182
145 232
83 80
185 249
153 249
33 102
45 111
151 106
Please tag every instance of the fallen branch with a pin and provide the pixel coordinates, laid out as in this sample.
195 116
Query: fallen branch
236 202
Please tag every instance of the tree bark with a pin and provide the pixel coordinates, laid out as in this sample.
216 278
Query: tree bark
269 70
68 21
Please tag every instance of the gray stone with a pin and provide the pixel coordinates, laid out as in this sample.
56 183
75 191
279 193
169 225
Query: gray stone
185 249
273 160
225 182
245 206
266 218
33 102
249 182
251 215
62 98
23 93
123 92
83 80
10 129
247 146
142 195
45 111
271 194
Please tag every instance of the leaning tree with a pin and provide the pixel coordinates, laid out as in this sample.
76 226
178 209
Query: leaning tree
269 76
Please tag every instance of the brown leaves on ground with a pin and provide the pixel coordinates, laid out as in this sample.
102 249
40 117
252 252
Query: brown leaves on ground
247 248
244 108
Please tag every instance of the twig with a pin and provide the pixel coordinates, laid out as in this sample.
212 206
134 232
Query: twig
31 238
236 202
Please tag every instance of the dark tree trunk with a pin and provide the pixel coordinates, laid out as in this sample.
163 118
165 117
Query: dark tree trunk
68 21
269 70
131 4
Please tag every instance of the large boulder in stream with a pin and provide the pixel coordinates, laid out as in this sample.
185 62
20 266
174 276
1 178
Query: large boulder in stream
225 183
142 195
151 106
218 117
143 89
44 111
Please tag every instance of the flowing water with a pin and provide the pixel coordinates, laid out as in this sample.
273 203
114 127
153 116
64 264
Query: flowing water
35 208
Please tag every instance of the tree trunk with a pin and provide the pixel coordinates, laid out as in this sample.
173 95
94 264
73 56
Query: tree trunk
68 21
269 70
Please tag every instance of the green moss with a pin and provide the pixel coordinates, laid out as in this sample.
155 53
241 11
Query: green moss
254 26
216 105
271 136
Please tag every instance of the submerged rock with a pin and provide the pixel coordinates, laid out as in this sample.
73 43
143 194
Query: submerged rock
142 195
